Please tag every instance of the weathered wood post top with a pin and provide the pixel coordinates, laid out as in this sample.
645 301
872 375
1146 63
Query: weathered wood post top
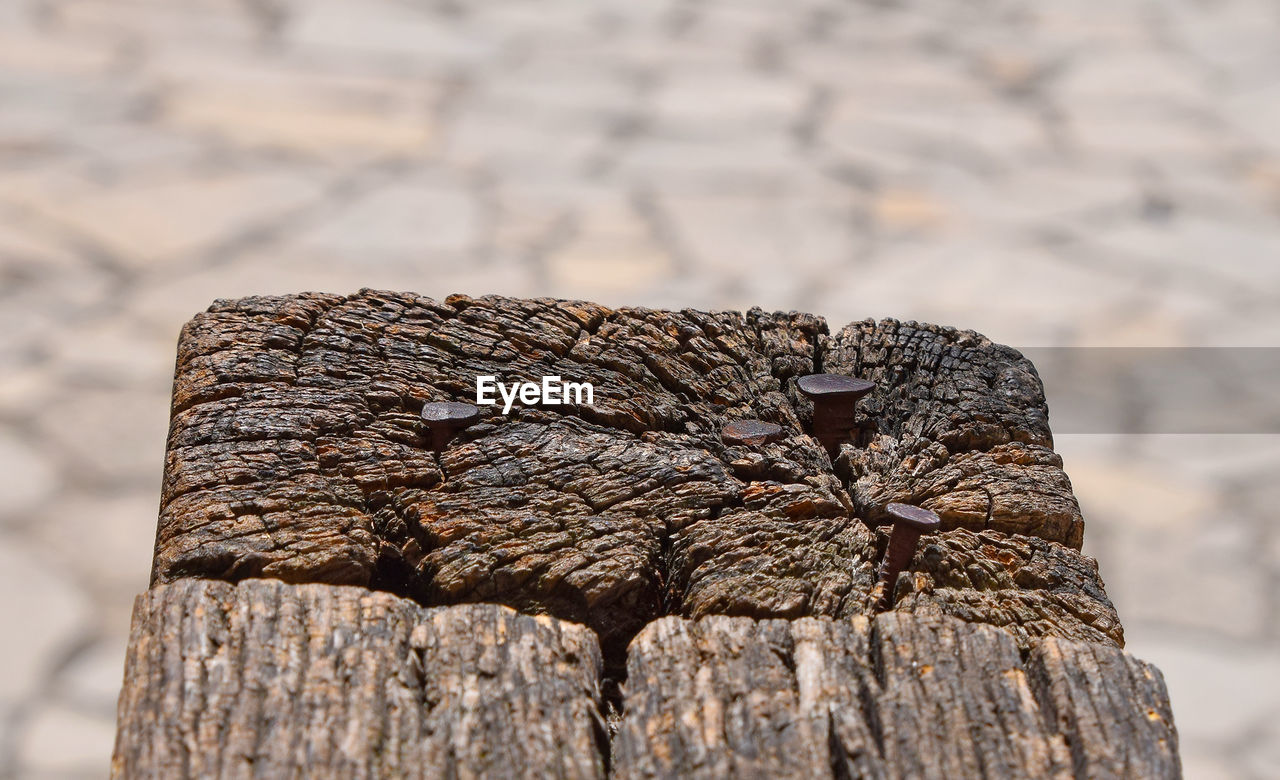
495 537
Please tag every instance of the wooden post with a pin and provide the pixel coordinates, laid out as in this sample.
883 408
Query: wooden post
704 605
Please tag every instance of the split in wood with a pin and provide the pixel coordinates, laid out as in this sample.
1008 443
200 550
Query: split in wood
835 398
909 523
445 418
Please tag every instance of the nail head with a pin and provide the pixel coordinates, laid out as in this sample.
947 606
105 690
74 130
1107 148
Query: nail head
446 418
834 386
916 517
447 414
750 432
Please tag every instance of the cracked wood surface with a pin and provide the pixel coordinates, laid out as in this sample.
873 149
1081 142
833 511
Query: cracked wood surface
296 452
895 697
266 679
957 424
724 588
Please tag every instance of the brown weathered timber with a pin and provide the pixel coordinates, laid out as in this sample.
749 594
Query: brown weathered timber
1031 587
264 679
296 452
898 697
956 424
1112 708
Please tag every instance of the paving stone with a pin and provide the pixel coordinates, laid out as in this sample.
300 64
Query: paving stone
869 65
724 105
1200 318
26 477
1254 111
1182 244
1246 460
154 219
302 125
556 24
91 681
972 135
199 22
24 390
760 162
1039 300
45 295
30 255
121 149
522 145
1262 755
570 86
61 741
39 109
22 50
784 238
1028 199
265 101
398 33
108 437
105 539
1157 523
417 218
612 253
1123 77
1205 763
118 352
18 13
910 210
167 303
1136 135
1234 42
645 42
273 70
43 609
1217 702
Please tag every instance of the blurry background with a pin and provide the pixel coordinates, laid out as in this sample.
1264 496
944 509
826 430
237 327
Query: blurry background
1091 173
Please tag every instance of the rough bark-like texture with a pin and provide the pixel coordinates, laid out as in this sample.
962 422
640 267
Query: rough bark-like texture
296 452
956 424
1031 587
269 680
1112 708
901 696
717 698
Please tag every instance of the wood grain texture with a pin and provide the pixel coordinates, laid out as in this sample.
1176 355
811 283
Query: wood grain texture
264 679
1030 587
1112 708
901 696
956 424
296 452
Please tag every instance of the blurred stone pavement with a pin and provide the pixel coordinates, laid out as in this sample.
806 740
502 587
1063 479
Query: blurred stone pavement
1069 174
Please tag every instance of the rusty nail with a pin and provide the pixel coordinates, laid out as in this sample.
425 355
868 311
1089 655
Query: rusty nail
750 432
445 418
834 400
909 522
